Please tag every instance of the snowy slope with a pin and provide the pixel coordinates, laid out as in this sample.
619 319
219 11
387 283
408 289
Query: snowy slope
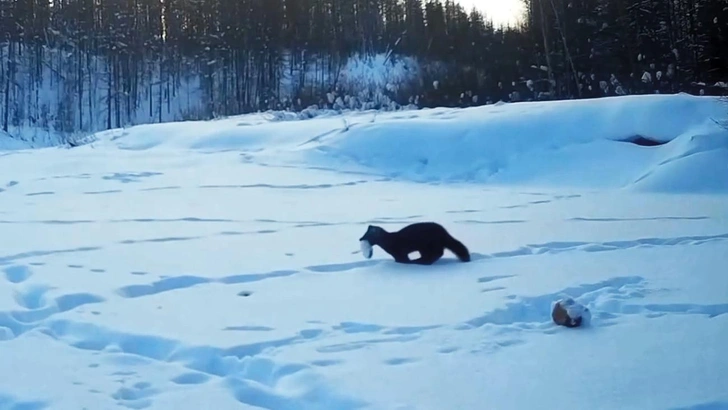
8 143
216 264
575 143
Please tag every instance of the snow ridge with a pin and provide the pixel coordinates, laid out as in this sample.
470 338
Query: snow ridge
582 143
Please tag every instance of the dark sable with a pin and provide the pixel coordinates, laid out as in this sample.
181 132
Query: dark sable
430 239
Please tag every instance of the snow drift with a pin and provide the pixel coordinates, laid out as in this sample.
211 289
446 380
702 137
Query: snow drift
573 143
8 143
555 143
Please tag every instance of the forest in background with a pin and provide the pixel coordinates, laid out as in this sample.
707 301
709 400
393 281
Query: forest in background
81 66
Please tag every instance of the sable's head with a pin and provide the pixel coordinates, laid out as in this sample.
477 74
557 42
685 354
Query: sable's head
373 234
371 237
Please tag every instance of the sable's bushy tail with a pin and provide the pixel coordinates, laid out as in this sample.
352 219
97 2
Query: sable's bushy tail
457 247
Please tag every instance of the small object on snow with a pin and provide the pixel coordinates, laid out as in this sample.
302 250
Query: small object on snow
366 248
567 312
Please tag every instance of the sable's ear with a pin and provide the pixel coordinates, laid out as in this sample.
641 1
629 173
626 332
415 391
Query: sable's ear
369 230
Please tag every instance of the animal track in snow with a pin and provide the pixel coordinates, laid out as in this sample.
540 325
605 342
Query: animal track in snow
159 240
32 297
385 334
206 359
360 344
255 277
499 222
17 274
38 307
396 361
559 247
191 378
174 220
138 396
105 192
493 289
301 389
540 201
282 186
188 281
4 260
606 300
162 188
11 402
615 307
527 312
250 328
163 285
352 327
464 211
653 218
486 279
127 177
341 267
50 222
326 362
251 379
73 176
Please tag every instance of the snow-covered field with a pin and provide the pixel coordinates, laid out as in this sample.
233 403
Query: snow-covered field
216 264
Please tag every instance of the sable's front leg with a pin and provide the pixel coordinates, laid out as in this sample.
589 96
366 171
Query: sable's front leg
402 258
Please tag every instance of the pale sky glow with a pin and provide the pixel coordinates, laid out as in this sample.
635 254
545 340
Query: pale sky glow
500 11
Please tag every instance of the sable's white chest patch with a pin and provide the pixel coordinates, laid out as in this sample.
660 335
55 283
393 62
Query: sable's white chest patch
366 249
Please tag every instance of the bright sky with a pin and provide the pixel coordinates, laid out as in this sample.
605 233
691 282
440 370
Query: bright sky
500 11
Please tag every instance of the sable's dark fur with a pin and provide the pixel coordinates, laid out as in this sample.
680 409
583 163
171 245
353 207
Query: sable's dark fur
430 239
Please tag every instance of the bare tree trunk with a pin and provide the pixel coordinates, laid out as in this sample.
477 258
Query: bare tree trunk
79 88
547 50
109 82
9 80
566 48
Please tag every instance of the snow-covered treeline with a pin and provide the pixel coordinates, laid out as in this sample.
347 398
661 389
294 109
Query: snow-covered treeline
79 66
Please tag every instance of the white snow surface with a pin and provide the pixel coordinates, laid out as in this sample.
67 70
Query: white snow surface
216 265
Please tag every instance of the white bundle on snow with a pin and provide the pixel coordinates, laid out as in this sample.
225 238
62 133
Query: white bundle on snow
366 248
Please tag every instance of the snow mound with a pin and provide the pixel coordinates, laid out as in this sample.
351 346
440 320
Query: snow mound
697 163
577 143
599 143
8 143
